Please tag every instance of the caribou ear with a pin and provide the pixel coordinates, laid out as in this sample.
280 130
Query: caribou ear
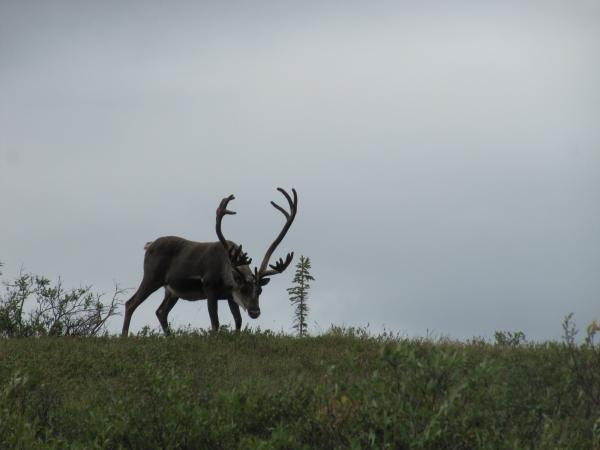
264 281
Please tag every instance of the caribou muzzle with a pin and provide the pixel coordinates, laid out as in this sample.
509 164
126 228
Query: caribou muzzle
254 313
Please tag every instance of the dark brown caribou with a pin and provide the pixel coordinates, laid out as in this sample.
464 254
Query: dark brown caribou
208 270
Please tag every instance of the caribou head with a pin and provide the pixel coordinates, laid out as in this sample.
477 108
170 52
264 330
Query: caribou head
247 284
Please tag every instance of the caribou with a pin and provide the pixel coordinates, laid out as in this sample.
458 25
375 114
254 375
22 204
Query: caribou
209 271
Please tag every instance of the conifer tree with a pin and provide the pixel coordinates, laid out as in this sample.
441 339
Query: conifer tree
299 294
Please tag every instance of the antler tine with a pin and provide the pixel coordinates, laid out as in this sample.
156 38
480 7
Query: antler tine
287 196
292 204
285 213
222 209
280 266
239 257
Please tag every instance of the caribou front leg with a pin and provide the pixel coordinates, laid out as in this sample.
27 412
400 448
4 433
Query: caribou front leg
235 311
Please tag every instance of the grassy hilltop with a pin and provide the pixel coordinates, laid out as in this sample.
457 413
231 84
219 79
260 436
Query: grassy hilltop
261 390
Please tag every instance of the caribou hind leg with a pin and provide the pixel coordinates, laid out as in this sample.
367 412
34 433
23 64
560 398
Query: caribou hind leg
163 311
146 288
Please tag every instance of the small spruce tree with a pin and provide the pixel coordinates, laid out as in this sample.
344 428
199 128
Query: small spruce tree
299 294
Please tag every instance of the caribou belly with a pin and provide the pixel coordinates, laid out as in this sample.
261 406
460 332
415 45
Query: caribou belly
188 289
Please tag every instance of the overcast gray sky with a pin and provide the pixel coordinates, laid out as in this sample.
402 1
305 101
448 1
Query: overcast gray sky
446 155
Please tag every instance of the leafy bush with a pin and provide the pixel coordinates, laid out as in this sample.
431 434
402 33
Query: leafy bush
32 306
509 338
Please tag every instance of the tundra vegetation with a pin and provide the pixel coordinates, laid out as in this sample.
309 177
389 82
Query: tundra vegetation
257 389
344 388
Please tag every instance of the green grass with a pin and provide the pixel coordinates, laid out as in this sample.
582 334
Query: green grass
261 390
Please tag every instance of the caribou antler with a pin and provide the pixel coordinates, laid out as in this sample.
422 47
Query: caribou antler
236 255
280 265
221 212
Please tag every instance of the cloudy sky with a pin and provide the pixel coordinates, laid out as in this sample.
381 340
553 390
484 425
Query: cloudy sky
446 154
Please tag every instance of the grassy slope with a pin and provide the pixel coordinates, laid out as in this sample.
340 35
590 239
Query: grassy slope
268 391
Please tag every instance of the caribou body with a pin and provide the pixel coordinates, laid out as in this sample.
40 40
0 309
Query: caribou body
208 271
